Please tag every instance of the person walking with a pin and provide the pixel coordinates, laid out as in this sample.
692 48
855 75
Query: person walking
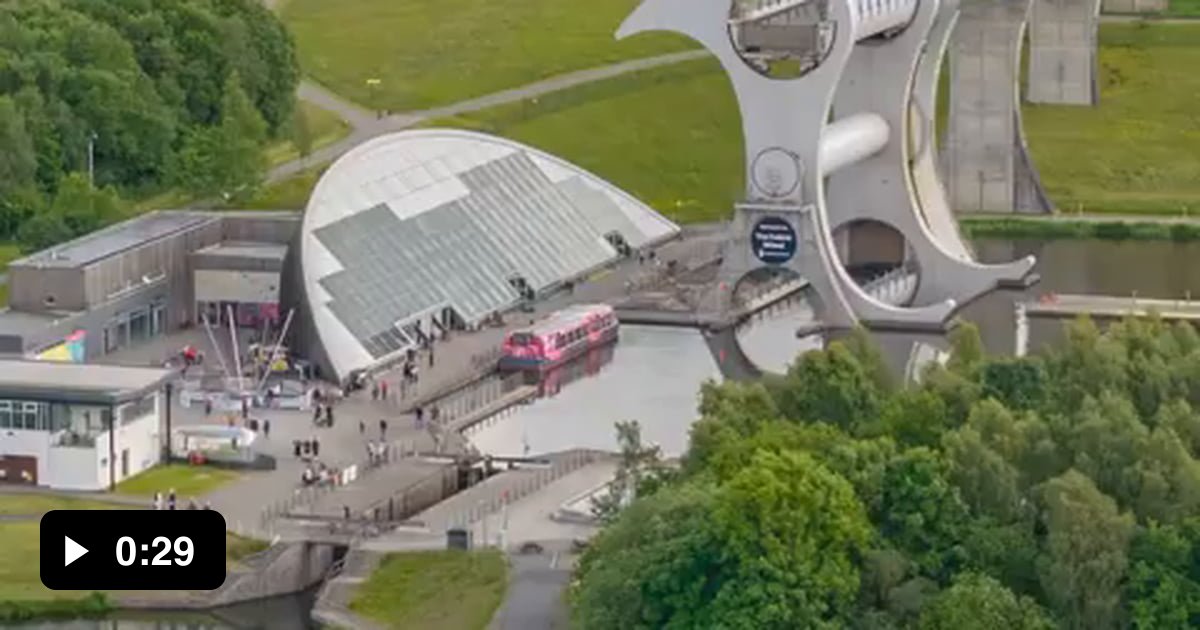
375 391
158 501
296 448
207 406
431 355
171 499
383 389
382 429
362 427
420 413
317 413
266 428
329 416
316 447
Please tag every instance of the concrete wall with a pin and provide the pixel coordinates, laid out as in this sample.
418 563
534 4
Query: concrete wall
283 569
143 439
262 227
237 286
1062 52
43 290
1134 6
166 257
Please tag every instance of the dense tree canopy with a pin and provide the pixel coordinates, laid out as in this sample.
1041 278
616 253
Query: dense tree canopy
139 81
1057 490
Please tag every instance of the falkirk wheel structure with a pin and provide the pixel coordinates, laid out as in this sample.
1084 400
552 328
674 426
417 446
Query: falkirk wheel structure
837 106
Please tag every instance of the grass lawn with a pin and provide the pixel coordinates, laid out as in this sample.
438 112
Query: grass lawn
1183 8
27 504
289 194
1139 149
670 136
429 53
19 552
188 481
324 127
434 589
238 547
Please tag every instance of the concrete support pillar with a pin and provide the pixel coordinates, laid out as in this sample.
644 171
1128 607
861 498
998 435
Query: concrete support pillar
1062 52
985 159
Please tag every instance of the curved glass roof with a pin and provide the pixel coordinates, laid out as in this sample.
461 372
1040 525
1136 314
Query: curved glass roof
411 223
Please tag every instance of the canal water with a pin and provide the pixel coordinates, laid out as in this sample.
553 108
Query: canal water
654 374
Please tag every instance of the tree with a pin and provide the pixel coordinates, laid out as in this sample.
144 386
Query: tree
921 512
729 413
42 231
1085 557
301 132
638 464
658 563
18 162
1018 383
829 386
227 160
966 349
987 483
773 547
978 602
870 357
1163 588
83 208
791 530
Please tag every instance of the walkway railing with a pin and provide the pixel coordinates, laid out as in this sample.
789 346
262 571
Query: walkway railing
393 453
521 487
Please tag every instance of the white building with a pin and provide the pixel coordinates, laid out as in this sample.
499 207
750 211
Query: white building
57 420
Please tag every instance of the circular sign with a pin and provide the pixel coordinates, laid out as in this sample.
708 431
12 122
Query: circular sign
773 240
776 173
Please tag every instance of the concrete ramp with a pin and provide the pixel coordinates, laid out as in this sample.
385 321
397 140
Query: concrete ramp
985 159
1063 62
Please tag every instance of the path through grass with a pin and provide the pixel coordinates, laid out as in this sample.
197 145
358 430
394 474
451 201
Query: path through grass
428 53
670 136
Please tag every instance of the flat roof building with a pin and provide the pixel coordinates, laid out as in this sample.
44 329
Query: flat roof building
80 427
145 277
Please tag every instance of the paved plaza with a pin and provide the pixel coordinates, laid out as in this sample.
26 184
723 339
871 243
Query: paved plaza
464 357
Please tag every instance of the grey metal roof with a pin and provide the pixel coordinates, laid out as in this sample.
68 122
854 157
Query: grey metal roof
413 222
22 323
115 239
78 382
246 249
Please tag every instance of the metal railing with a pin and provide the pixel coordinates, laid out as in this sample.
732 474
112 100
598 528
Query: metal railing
522 487
393 453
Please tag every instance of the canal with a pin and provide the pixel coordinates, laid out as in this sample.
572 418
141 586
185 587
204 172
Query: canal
654 374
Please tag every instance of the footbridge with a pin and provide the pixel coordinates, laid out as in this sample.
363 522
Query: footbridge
837 115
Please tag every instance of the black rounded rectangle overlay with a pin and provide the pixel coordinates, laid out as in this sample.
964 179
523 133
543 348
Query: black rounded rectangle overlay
133 550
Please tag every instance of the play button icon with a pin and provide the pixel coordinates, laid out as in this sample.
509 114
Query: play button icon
72 551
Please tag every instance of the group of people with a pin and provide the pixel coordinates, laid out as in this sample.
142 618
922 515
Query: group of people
321 476
306 448
168 502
